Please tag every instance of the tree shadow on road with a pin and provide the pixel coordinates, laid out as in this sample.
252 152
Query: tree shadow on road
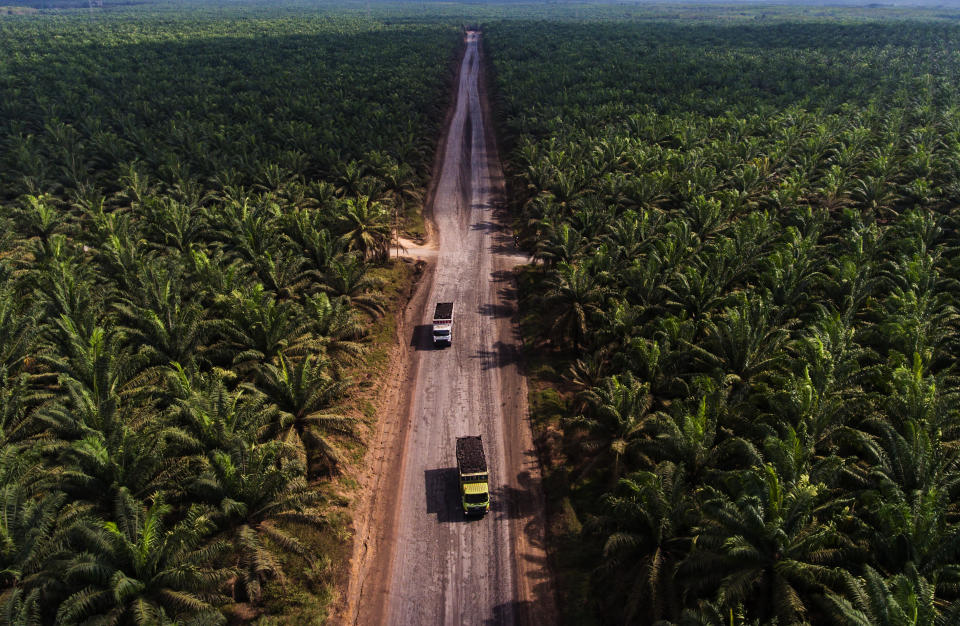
515 502
509 502
504 243
502 240
509 613
503 502
508 290
502 276
502 355
496 310
486 226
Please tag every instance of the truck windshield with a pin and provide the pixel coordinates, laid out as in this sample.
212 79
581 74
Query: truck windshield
441 333
475 498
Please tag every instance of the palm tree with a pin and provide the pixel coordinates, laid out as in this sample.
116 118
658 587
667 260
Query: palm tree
173 224
19 397
616 422
21 609
698 291
257 328
215 276
401 183
561 245
66 286
707 216
647 191
248 226
366 228
769 545
275 178
164 325
650 516
695 441
255 488
18 331
568 185
350 179
122 251
40 217
137 569
212 417
833 192
338 328
628 235
903 600
571 297
907 510
302 395
854 273
256 493
95 357
306 230
31 531
821 401
874 193
790 273
282 272
350 278
104 444
586 373
920 317
746 341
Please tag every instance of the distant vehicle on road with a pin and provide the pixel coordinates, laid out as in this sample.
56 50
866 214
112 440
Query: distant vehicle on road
443 324
474 482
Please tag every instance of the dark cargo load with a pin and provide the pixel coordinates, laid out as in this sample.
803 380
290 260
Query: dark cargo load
444 311
470 459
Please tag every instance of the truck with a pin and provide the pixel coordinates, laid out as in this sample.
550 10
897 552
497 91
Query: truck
474 482
443 324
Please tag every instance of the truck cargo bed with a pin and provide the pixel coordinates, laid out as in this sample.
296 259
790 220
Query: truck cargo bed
444 311
470 458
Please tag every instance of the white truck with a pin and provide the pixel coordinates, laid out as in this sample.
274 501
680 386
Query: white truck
443 324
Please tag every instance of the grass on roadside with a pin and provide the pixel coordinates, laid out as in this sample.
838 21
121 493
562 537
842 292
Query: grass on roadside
414 226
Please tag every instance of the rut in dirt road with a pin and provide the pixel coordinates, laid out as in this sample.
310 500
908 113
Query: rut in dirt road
444 569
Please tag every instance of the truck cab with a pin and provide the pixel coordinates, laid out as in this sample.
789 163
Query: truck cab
475 496
442 334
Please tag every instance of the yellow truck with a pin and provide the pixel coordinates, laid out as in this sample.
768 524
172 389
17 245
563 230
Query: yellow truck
474 481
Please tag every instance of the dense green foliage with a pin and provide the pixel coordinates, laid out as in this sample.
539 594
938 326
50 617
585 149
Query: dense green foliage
747 269
190 210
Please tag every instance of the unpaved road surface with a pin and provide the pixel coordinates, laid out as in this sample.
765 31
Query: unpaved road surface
431 565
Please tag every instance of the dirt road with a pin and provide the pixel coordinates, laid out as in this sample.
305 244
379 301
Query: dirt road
431 566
